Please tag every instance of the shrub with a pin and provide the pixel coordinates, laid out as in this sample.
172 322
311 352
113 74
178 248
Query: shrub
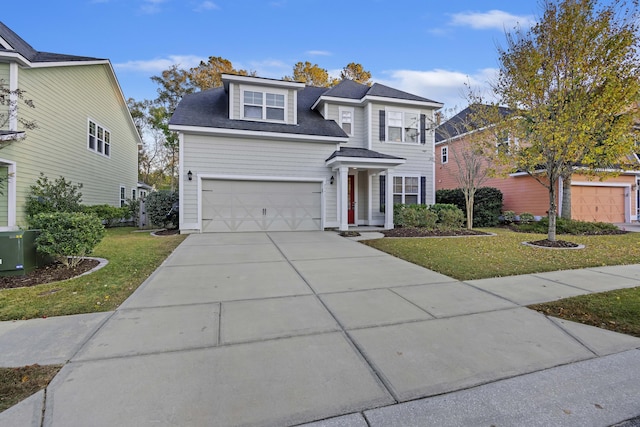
109 215
132 207
414 216
53 196
159 205
451 218
508 217
487 204
526 218
67 236
569 226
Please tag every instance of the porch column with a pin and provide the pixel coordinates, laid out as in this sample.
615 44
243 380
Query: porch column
388 202
343 179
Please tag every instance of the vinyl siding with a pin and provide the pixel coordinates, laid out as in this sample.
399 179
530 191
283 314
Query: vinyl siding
4 213
359 137
4 79
251 157
65 98
419 157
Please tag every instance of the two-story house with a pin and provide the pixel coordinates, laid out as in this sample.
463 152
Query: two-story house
264 154
84 129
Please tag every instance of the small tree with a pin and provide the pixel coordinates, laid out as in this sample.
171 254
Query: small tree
159 206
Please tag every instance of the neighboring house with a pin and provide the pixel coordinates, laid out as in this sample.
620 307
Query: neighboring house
613 199
85 132
263 154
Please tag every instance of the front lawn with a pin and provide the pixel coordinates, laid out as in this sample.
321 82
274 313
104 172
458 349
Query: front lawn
466 258
132 256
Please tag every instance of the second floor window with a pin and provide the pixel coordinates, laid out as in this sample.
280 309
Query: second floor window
346 120
403 127
444 154
99 139
263 106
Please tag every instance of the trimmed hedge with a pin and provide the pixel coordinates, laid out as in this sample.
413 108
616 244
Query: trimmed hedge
443 216
487 204
67 236
109 215
159 206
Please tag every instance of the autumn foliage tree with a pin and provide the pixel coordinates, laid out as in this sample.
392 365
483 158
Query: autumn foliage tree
571 81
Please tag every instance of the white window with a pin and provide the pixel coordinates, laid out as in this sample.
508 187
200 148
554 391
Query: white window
403 126
99 139
263 106
346 120
406 189
444 154
123 195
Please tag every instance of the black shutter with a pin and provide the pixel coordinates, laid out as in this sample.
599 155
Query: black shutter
423 127
382 126
423 190
382 192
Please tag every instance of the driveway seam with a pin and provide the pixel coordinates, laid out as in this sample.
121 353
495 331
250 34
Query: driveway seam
377 375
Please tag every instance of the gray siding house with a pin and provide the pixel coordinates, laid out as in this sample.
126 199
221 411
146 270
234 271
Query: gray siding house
270 155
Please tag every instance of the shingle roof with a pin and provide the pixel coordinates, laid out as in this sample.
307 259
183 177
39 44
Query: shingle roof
210 108
462 122
29 53
353 90
361 153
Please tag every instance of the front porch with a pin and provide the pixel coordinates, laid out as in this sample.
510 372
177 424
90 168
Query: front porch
364 187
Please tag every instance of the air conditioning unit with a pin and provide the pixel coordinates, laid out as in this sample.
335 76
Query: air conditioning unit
18 254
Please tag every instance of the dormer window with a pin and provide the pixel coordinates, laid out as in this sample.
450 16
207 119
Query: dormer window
266 106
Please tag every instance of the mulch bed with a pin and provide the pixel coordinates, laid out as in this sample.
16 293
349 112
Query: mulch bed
551 244
47 274
421 232
171 232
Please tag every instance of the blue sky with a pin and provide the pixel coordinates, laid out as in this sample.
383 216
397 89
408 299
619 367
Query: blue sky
429 48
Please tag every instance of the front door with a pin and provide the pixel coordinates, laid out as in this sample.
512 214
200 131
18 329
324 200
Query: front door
351 208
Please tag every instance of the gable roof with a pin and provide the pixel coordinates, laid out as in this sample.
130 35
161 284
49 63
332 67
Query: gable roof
12 43
210 109
463 122
361 153
350 90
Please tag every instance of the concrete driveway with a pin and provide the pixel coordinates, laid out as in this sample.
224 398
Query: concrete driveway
276 329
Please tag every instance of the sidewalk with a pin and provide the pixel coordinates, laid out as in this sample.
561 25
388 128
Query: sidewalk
277 329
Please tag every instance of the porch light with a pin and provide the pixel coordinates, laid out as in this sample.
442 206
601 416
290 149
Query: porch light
331 180
190 175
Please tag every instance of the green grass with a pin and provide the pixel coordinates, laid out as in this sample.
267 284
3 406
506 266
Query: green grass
132 256
466 258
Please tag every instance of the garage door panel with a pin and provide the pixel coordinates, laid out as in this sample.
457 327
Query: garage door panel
598 203
260 205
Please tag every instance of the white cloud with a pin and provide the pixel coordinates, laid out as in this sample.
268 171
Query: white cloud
493 19
269 68
151 6
318 53
160 64
446 86
205 6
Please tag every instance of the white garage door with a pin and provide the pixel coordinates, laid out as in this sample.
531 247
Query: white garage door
260 206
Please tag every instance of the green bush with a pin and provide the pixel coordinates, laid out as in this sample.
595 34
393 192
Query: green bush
508 217
487 204
132 207
67 236
569 226
59 195
109 215
526 218
158 205
451 218
414 216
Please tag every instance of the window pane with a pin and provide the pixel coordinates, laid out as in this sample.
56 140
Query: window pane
252 112
92 128
252 97
100 133
411 185
397 184
92 142
346 127
346 116
411 199
275 113
107 136
395 134
411 135
99 146
275 100
411 120
107 149
397 198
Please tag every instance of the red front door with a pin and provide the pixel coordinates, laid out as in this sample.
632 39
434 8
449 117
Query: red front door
351 208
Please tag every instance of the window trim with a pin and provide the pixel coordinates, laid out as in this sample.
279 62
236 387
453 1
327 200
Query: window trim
403 128
264 91
444 154
404 193
105 140
350 110
123 195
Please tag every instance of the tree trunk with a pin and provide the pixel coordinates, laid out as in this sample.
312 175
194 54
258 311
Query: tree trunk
469 199
551 231
566 198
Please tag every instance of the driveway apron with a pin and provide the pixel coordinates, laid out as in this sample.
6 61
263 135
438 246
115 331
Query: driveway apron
275 329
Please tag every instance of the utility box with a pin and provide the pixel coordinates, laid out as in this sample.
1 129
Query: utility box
18 254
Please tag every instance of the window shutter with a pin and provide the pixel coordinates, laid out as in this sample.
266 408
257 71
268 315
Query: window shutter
423 190
382 126
423 127
382 192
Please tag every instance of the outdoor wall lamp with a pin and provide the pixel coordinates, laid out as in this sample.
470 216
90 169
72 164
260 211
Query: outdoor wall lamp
331 180
190 175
